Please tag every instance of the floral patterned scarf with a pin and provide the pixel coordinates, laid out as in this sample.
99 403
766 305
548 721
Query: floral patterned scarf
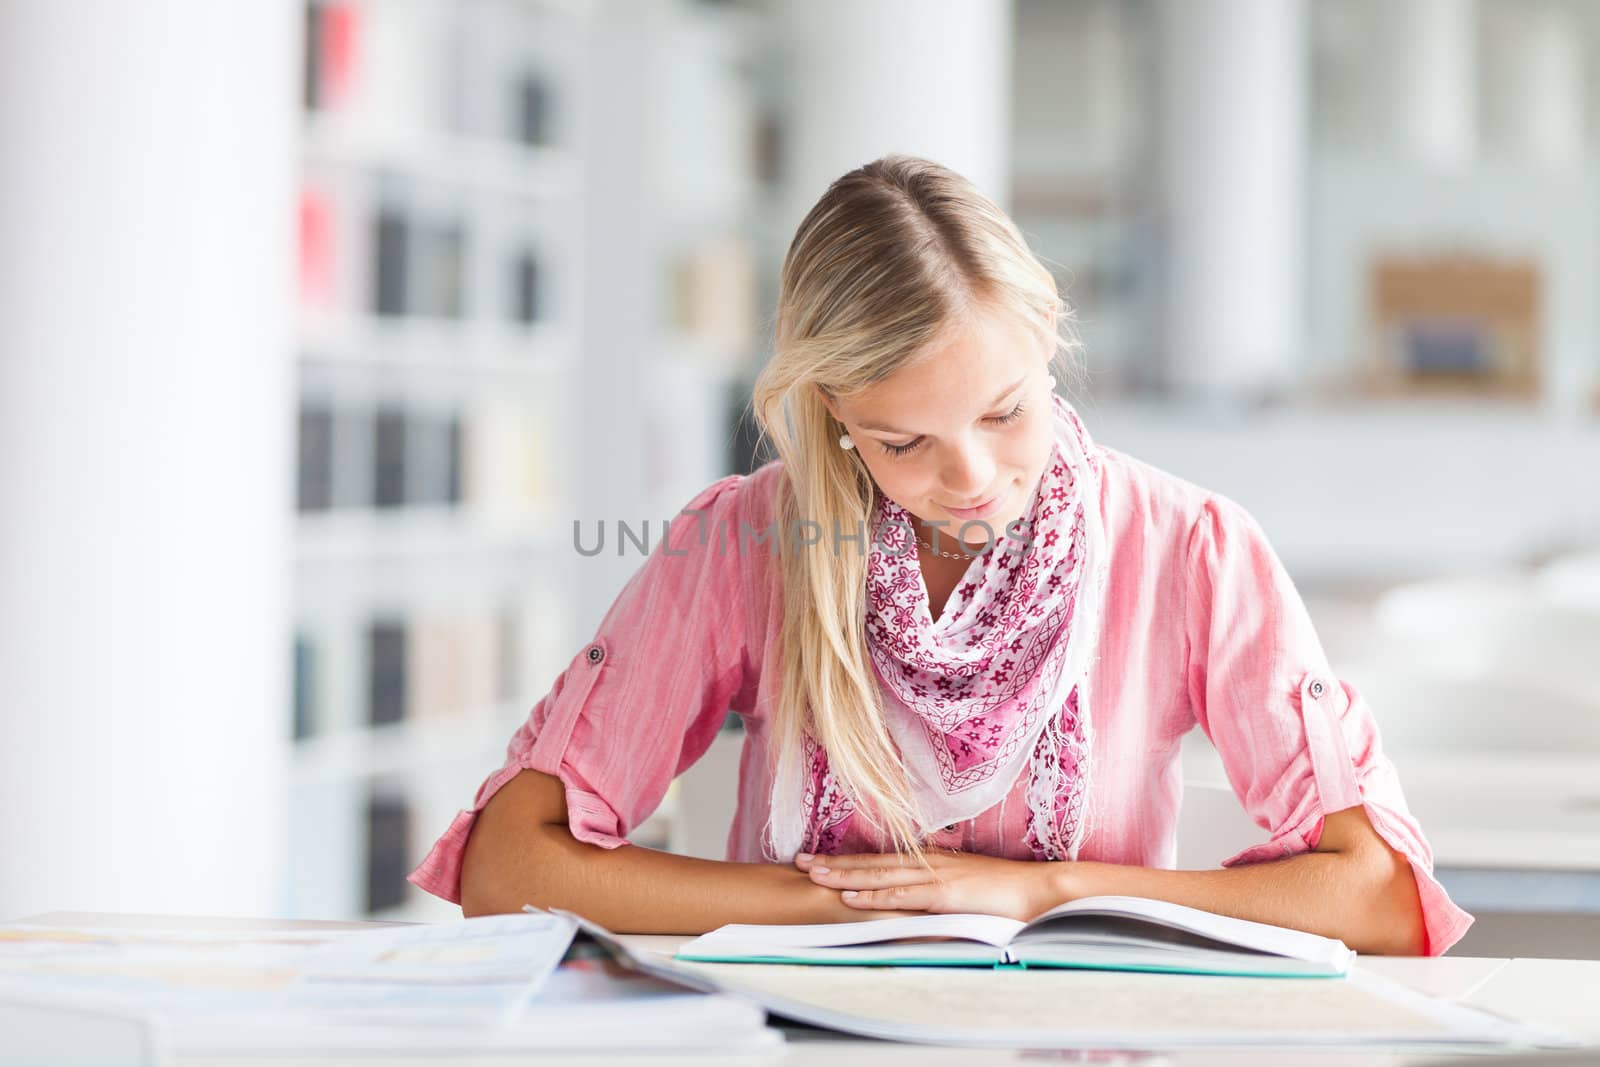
996 685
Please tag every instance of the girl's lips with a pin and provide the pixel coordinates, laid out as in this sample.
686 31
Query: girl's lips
987 508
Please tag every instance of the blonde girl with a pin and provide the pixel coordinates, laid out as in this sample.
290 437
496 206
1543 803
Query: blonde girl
964 639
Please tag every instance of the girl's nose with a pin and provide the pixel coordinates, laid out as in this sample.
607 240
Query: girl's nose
968 474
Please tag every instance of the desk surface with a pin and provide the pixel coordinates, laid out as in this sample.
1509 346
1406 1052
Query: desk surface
1559 993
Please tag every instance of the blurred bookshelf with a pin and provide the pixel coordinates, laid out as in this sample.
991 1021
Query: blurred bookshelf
442 191
446 182
1450 237
1452 228
717 117
1082 187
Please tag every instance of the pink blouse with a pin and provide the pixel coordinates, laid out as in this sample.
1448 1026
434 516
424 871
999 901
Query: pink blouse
1201 625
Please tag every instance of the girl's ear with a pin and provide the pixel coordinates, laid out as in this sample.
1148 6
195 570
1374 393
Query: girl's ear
1052 319
828 402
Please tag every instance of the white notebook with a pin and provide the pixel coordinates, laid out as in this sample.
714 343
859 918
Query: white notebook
1094 933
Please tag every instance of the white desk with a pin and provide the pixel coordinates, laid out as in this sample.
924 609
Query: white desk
1560 993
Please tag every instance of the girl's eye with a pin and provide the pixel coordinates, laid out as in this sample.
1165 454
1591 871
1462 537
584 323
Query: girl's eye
911 446
902 450
1012 416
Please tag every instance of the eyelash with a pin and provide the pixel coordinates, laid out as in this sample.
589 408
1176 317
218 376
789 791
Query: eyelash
999 420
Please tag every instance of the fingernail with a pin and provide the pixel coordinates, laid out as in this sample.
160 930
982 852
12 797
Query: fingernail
803 857
819 870
848 893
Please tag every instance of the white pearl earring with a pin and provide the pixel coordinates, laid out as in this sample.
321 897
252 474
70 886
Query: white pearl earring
845 442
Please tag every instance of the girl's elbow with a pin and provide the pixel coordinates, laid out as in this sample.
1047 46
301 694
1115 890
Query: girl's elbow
477 895
1397 925
474 902
1411 928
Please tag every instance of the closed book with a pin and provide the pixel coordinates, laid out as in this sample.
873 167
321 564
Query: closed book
389 459
453 665
392 252
388 850
387 698
314 457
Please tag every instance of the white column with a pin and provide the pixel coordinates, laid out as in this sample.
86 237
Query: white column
1428 50
922 77
1542 84
146 229
1233 128
621 301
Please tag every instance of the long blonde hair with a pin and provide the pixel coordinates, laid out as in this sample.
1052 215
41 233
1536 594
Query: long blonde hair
895 253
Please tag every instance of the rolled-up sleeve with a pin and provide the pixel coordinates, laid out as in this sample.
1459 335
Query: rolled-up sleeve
638 703
1296 741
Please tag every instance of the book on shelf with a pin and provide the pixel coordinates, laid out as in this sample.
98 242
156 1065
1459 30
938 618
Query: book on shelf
491 456
389 458
441 255
332 31
441 239
389 827
306 679
387 696
504 85
452 473
398 247
336 237
455 665
431 443
714 297
527 307
534 111
505 457
317 246
354 449
391 246
314 458
1116 933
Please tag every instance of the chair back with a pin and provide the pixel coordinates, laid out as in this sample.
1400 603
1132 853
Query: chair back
1212 826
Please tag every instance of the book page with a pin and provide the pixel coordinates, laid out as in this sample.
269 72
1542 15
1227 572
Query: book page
1109 1009
1057 925
743 939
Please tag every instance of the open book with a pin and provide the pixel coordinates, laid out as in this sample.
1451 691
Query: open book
1095 933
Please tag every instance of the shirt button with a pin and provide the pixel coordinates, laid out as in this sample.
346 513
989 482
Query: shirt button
1317 688
596 653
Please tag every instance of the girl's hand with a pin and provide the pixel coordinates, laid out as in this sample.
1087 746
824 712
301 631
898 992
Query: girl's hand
952 882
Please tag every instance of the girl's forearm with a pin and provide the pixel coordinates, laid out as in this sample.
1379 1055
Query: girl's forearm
521 851
1364 900
631 889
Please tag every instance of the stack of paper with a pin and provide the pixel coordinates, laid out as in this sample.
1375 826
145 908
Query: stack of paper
488 983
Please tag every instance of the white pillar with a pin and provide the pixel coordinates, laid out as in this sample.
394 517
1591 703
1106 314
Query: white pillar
1542 85
1429 53
1233 128
621 296
922 77
146 229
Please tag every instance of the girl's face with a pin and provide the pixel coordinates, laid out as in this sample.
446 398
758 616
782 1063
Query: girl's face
963 434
